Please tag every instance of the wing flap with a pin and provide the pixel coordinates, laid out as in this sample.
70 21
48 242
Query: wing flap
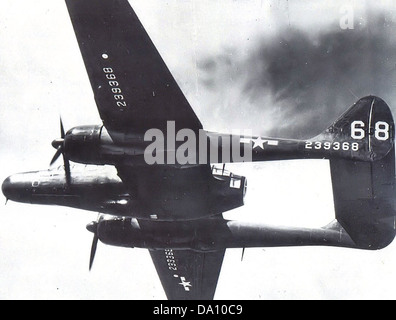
188 275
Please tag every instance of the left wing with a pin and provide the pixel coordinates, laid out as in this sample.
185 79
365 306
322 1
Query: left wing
188 275
134 89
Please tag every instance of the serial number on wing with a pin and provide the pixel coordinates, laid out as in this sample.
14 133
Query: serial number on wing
170 260
115 87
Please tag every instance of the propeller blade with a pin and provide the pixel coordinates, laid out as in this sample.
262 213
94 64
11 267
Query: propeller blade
56 156
67 169
62 129
93 250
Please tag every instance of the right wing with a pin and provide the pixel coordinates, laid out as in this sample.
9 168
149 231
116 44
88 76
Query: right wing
188 275
134 90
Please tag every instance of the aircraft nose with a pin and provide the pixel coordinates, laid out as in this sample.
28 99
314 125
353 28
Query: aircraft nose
8 189
14 190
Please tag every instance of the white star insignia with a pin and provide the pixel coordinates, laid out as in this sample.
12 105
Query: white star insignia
185 284
259 143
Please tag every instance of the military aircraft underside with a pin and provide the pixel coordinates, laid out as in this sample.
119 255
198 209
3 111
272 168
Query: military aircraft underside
156 176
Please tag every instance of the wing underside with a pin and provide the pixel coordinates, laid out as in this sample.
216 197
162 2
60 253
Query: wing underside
134 90
170 193
188 275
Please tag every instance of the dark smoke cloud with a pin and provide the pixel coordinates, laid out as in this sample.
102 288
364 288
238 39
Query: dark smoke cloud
306 79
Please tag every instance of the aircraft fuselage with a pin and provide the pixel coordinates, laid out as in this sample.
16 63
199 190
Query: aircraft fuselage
93 188
99 189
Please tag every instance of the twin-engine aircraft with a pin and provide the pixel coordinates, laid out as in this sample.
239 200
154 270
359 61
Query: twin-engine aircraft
166 196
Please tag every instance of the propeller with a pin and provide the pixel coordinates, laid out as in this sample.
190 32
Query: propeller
93 227
93 251
58 144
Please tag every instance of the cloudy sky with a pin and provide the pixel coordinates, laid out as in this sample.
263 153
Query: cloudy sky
280 68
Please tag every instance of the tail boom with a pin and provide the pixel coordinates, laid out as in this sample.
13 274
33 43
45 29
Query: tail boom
364 133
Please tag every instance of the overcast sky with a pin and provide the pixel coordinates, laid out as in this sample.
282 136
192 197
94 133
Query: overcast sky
280 68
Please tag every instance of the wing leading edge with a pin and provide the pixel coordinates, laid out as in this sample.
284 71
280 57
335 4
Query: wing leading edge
188 275
133 88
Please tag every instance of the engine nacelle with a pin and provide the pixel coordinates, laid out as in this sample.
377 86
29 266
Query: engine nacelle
93 145
82 144
204 235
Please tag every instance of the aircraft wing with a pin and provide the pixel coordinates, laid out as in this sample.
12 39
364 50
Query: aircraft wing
170 193
133 88
188 275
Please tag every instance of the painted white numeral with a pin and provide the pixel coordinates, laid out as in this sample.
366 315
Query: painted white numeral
337 146
357 131
382 131
111 76
108 70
